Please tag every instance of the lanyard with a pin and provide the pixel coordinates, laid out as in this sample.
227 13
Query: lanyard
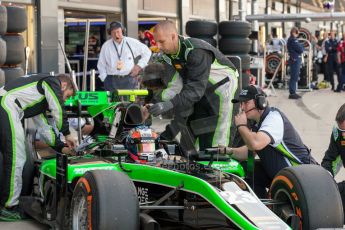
117 51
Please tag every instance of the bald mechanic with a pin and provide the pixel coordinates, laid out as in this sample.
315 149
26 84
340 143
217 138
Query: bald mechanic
24 98
209 81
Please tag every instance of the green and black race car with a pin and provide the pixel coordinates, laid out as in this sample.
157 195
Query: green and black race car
127 178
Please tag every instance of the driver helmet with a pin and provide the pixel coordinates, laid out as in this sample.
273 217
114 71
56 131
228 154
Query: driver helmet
141 144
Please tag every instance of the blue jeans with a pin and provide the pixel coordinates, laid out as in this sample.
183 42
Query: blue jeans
295 66
112 83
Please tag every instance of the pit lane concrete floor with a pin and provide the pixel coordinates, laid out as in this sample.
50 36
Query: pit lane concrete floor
313 116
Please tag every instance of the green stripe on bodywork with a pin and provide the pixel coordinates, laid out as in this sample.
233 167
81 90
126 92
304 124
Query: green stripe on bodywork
50 130
149 174
14 146
60 119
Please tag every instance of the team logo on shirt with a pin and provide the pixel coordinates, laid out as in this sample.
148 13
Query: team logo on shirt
178 66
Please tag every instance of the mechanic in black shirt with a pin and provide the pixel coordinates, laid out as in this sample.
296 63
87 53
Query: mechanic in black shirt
209 82
28 97
335 154
273 138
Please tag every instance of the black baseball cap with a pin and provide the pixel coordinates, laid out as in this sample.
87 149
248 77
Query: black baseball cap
248 93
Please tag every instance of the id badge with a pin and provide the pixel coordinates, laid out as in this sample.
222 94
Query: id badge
119 65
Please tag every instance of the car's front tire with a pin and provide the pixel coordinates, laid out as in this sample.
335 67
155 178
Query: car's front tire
104 199
311 193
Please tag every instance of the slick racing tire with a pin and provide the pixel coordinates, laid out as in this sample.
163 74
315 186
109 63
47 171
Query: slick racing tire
106 200
15 49
3 51
200 28
309 192
272 62
12 73
245 61
2 78
3 20
239 29
1 172
17 21
234 45
211 41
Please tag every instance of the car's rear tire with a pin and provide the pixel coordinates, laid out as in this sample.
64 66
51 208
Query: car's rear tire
311 193
105 200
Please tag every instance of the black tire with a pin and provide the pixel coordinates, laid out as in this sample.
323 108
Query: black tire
2 78
234 45
3 51
305 33
15 49
272 61
17 21
211 41
114 203
12 73
245 61
311 193
201 28
3 20
245 79
239 29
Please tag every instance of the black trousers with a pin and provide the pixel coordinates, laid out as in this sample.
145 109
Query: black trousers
260 182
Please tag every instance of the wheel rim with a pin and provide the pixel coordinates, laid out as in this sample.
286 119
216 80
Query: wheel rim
80 213
284 211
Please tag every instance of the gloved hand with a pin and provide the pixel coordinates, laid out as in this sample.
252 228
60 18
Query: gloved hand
68 151
71 141
160 108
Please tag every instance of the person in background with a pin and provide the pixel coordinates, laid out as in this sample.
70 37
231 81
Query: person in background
121 59
341 62
94 46
295 50
142 37
334 157
332 65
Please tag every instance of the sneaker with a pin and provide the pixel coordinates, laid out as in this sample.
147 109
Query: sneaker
12 214
294 96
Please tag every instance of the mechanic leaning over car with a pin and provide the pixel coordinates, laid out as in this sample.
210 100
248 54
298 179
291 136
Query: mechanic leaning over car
335 154
22 98
209 82
273 138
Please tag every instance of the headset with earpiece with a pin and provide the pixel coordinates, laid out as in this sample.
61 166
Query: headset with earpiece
260 99
115 25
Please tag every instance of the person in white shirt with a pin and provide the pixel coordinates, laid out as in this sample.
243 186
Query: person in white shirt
121 59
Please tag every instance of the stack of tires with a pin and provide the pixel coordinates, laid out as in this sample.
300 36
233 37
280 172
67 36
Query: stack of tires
234 41
204 30
13 21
